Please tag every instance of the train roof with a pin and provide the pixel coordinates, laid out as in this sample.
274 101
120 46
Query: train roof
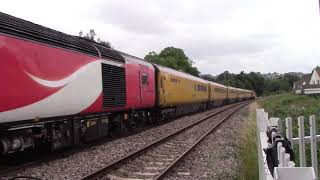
130 58
233 88
217 84
179 73
17 27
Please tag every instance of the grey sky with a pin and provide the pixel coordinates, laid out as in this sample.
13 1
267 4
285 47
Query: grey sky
246 35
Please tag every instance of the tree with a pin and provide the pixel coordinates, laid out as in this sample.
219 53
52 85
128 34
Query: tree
174 58
106 43
252 81
291 79
91 35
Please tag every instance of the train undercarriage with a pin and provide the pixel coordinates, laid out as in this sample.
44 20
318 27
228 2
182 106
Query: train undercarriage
65 132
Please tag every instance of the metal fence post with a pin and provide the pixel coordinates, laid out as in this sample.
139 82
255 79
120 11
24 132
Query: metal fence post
313 141
289 129
302 150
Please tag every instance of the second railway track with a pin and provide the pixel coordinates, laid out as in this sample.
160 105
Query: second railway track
154 160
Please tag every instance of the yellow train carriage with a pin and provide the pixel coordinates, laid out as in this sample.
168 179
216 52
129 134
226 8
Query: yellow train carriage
242 94
218 94
249 94
232 94
178 88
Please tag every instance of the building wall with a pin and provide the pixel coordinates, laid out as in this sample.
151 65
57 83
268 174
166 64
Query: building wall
298 91
315 79
312 91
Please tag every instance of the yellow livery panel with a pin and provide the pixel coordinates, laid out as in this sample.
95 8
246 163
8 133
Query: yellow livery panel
218 92
232 93
176 88
242 93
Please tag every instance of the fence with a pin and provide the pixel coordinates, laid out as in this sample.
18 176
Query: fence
286 169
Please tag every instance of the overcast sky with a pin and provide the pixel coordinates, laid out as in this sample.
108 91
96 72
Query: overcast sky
234 35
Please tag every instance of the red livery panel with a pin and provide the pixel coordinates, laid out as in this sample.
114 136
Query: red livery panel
140 82
20 58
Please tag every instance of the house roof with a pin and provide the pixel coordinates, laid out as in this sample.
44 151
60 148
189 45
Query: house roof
311 86
305 78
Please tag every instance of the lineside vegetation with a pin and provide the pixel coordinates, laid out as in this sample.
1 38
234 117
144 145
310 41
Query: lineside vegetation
291 105
249 168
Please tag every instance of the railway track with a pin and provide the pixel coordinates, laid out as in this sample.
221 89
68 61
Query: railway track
29 159
154 160
7 171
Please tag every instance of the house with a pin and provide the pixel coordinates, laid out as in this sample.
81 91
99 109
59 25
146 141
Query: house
309 83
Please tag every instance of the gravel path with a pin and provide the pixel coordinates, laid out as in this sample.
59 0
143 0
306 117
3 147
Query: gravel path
79 164
216 157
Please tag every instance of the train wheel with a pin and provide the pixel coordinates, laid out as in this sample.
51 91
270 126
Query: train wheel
119 125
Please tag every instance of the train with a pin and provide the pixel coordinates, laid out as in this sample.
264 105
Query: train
59 90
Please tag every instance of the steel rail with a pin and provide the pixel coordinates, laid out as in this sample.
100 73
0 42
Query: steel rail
117 163
165 171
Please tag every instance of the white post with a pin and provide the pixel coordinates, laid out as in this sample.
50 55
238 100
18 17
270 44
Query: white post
302 150
282 153
279 146
262 173
313 141
291 164
279 124
289 129
266 115
286 159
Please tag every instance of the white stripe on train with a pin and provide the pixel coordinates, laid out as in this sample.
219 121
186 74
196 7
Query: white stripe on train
81 89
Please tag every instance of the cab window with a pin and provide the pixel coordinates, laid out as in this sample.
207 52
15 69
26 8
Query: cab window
144 79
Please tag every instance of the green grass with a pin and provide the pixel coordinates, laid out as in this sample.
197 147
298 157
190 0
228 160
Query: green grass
290 105
249 168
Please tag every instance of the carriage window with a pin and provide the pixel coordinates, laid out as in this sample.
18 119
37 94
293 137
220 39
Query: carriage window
144 79
200 88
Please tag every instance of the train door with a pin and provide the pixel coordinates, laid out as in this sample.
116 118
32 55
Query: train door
144 85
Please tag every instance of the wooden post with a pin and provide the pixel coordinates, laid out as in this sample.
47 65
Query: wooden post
313 140
302 150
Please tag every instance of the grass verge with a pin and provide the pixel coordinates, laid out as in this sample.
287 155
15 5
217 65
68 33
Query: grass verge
249 168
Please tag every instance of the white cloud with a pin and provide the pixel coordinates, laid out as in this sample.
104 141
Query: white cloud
247 35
